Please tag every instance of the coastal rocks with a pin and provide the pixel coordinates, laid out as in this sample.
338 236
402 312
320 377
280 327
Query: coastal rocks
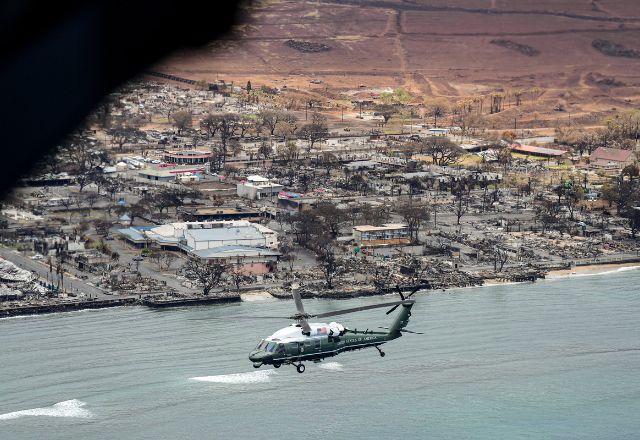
515 274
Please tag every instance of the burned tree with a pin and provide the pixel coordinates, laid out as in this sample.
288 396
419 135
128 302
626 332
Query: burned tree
332 216
208 275
125 130
82 153
330 263
285 247
442 150
548 214
272 119
225 126
499 255
288 152
102 227
461 191
632 214
437 109
265 151
316 131
386 111
182 120
413 215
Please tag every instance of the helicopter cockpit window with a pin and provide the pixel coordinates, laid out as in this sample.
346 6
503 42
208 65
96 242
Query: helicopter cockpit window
261 345
271 346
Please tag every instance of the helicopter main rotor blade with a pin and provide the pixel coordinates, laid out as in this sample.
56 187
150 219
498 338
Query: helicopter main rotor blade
305 325
254 317
392 309
359 309
298 300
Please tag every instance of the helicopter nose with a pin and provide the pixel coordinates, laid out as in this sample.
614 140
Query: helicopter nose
258 356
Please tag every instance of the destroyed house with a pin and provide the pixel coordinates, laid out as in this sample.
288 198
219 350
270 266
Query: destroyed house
385 235
93 261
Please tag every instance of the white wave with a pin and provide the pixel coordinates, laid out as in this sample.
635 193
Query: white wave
68 408
332 366
238 378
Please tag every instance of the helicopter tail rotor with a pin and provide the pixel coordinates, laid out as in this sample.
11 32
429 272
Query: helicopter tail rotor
401 321
392 309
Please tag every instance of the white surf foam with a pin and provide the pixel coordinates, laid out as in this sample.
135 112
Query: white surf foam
252 297
238 378
68 408
332 366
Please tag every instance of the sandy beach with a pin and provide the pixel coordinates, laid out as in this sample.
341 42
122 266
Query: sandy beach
594 269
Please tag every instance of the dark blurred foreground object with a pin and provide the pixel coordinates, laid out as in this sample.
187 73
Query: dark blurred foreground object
58 59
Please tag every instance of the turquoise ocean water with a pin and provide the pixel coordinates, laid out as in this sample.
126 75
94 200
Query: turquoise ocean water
559 359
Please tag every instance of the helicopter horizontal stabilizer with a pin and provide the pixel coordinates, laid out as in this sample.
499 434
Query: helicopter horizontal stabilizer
404 330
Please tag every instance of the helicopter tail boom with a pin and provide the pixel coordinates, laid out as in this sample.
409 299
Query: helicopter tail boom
401 321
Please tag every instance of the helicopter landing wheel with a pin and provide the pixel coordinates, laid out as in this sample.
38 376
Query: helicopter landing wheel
277 365
300 368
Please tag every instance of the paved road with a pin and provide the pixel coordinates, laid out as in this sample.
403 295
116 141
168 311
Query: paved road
71 283
145 267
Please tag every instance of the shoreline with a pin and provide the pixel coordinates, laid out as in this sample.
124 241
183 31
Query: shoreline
591 269
259 295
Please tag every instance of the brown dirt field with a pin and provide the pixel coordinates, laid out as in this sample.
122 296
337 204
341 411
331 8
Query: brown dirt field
434 47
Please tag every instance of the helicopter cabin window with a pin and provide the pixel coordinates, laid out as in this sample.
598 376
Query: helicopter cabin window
316 344
294 348
280 349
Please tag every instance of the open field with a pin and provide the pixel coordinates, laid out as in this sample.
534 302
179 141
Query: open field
437 48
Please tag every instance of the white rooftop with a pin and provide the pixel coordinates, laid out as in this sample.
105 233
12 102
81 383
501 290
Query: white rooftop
256 178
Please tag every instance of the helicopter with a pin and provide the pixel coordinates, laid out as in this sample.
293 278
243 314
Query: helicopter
305 341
